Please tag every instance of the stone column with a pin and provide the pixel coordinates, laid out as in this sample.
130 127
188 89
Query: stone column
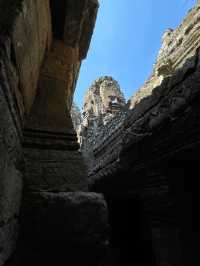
61 222
51 149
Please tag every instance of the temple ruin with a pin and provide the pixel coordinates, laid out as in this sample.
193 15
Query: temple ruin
127 193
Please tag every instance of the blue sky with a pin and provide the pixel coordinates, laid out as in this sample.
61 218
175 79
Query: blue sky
126 41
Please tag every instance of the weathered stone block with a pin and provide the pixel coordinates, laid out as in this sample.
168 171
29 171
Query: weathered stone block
54 170
69 227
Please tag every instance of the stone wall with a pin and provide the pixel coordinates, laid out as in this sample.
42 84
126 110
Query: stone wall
11 178
146 165
42 44
172 51
19 70
177 46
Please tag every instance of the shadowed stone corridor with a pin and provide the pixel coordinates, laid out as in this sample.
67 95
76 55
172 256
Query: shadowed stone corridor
117 186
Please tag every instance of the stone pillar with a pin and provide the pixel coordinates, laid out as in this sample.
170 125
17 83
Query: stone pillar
64 228
60 220
50 146
25 34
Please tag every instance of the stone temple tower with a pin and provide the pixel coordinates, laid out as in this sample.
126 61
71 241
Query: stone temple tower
102 101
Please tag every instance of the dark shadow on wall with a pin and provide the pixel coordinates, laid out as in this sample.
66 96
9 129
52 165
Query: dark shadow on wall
58 13
183 175
130 235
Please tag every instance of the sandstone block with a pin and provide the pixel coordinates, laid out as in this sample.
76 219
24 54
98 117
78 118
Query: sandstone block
65 226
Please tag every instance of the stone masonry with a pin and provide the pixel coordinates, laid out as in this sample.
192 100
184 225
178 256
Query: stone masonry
128 193
42 44
146 163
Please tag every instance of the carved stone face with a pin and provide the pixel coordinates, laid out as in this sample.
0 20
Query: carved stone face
104 98
111 95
